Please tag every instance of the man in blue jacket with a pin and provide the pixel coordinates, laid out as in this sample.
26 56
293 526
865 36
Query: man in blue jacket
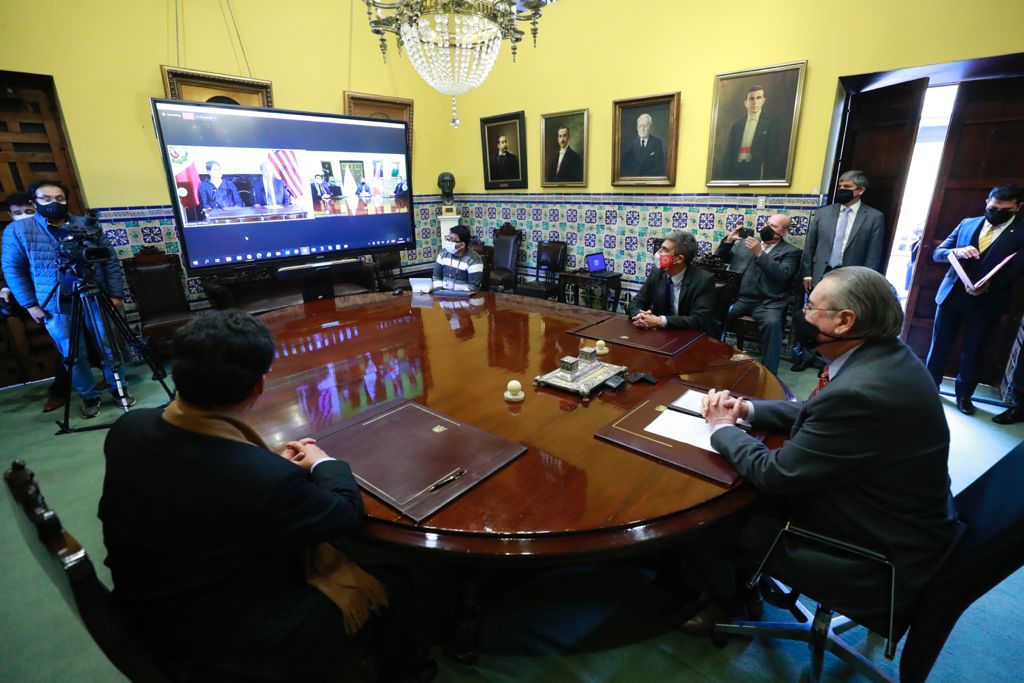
979 245
30 268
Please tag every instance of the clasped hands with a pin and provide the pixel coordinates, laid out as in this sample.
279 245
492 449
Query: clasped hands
304 453
646 320
720 408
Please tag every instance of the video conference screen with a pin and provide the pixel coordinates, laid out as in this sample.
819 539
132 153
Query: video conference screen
261 185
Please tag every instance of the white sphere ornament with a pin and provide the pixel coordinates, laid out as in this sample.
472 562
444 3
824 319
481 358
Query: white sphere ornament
514 392
602 348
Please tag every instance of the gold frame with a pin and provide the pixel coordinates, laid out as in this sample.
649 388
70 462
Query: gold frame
371 106
584 150
671 142
756 76
193 86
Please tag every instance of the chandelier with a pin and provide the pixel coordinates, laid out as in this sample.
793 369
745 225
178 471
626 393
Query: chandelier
453 44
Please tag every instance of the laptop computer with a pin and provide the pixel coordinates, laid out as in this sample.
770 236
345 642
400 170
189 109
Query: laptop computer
597 267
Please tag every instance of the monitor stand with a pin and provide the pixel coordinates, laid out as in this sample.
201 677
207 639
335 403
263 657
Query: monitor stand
317 278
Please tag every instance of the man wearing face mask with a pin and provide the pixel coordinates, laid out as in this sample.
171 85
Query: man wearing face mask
30 266
850 468
458 268
980 244
768 266
676 295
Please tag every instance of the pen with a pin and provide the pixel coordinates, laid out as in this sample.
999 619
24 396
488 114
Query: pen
444 481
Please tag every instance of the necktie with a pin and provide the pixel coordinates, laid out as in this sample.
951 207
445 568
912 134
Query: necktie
668 296
985 241
822 383
836 259
643 143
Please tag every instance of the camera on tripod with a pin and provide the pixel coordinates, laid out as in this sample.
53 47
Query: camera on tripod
76 254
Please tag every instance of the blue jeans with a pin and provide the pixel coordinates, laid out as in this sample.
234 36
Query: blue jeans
59 327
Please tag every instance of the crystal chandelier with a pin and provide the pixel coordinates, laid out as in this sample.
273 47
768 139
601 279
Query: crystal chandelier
453 44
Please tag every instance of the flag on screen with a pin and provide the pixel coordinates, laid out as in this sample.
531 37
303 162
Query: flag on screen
185 176
286 167
378 168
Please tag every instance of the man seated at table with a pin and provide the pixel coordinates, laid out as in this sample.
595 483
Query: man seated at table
676 295
458 268
768 264
865 461
220 548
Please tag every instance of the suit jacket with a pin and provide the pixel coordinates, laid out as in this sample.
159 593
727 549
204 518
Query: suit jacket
863 246
646 161
571 169
866 461
696 301
769 277
767 157
505 168
319 190
282 196
1000 286
204 538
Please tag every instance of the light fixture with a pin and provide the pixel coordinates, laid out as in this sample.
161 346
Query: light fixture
453 44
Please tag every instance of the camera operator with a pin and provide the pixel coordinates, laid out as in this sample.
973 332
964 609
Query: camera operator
30 258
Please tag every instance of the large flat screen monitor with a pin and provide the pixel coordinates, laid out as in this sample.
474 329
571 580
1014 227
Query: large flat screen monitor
274 187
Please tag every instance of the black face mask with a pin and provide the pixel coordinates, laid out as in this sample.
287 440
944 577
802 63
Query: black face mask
807 333
52 211
997 216
843 196
767 234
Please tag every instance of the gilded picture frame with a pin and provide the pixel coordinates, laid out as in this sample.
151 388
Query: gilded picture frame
645 154
204 86
503 143
568 168
380 107
754 119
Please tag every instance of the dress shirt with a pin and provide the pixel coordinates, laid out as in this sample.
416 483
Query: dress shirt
747 141
677 284
996 230
561 155
850 220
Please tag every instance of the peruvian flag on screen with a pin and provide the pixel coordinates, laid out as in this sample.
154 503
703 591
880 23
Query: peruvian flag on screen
185 176
286 166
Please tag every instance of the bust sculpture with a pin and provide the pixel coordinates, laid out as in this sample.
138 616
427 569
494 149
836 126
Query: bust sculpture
446 181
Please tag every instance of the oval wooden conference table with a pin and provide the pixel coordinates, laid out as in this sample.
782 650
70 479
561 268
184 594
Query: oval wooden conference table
569 496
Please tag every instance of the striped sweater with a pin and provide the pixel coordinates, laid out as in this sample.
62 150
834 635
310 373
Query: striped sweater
463 273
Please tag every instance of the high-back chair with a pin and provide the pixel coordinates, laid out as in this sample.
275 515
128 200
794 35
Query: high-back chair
506 254
551 257
155 281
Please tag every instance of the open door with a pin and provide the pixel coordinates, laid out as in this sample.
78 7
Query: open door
984 148
881 129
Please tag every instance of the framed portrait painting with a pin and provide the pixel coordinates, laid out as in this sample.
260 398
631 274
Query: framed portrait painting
753 126
644 140
503 140
380 107
204 86
563 148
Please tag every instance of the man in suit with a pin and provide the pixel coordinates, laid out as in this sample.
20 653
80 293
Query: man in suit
645 154
754 149
567 165
844 233
208 532
320 192
865 461
979 244
504 164
676 295
270 190
768 266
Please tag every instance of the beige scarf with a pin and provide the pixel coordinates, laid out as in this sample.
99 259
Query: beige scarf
348 586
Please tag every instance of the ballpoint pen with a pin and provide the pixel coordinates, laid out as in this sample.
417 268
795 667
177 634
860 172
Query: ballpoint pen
444 481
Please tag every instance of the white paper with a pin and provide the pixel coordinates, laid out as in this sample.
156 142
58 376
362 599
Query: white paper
684 428
420 284
971 286
691 401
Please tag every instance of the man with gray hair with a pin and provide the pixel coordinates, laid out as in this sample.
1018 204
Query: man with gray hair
644 156
844 233
851 467
676 295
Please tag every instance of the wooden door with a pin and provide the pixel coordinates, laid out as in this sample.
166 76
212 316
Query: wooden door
32 142
984 148
881 130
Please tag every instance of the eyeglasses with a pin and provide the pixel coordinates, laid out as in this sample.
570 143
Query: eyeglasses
809 307
50 200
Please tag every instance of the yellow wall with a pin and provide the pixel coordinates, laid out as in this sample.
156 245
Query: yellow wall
105 57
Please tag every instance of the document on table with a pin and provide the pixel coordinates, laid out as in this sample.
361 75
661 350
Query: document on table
683 428
690 403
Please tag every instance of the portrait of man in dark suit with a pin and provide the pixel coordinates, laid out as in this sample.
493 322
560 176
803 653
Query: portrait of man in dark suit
504 164
643 155
752 151
502 141
566 164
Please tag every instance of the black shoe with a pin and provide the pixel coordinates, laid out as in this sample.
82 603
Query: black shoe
1008 417
131 400
965 406
90 408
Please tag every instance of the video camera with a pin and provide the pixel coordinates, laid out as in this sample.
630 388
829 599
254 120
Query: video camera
74 252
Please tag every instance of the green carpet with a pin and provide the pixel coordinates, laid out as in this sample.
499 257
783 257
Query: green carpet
589 624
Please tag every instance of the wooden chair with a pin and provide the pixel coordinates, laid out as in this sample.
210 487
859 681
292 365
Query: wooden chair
551 257
506 256
71 570
156 282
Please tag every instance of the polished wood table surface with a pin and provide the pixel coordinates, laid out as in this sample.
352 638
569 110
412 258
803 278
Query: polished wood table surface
569 496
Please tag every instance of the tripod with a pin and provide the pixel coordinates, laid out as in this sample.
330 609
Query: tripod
91 309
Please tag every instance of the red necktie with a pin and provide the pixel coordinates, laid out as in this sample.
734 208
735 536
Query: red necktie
822 383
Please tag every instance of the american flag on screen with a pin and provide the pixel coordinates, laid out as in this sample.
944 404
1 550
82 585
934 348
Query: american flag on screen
286 166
